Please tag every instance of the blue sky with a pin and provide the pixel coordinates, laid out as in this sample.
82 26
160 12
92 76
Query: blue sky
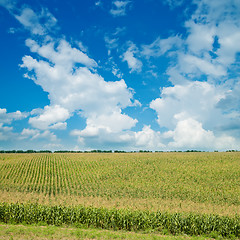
127 75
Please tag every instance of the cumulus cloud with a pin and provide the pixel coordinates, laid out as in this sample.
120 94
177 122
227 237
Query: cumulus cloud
229 37
64 54
197 109
32 134
195 99
52 117
214 28
210 48
192 114
199 113
190 133
149 139
104 129
6 132
199 66
7 118
146 138
70 77
134 63
119 8
201 36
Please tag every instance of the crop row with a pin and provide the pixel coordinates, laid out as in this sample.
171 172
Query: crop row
191 224
197 177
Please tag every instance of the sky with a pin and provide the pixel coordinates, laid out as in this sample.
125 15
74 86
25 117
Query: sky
158 75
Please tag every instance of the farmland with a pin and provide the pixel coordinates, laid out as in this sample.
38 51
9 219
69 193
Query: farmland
181 183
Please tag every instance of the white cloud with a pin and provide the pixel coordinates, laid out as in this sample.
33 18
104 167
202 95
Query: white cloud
194 112
161 46
39 23
119 31
119 8
111 65
26 133
210 48
8 4
202 114
31 21
70 78
197 100
111 43
215 20
82 47
175 76
133 63
36 134
217 11
114 122
92 137
52 117
229 38
98 3
201 36
192 64
64 55
190 134
116 72
5 132
148 139
53 146
111 123
231 100
194 118
173 3
48 135
7 118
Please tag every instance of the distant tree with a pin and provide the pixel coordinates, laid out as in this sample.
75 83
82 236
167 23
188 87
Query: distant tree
31 151
45 151
19 151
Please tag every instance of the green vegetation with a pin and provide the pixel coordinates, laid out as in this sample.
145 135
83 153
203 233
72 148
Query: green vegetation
191 190
19 232
120 219
182 182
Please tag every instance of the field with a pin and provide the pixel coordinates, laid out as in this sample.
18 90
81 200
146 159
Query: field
198 183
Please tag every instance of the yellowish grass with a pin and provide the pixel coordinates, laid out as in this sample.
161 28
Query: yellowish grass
168 205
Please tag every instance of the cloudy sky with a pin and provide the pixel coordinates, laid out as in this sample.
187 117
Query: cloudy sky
126 75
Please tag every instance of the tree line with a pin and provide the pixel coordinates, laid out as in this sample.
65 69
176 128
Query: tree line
98 151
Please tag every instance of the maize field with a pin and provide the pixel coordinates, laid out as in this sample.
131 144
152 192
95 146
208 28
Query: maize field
121 219
190 193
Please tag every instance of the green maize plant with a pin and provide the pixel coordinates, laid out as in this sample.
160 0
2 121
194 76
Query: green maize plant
117 219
